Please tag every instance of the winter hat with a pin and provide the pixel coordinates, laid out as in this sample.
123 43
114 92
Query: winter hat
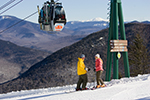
97 55
82 56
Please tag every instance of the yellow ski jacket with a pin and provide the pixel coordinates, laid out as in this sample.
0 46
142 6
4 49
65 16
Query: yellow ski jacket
81 67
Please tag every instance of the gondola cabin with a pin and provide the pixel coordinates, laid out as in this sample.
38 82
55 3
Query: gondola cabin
52 17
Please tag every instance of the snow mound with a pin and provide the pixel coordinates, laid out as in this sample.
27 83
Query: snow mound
139 78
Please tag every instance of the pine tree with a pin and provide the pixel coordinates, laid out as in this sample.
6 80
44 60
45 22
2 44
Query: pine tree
138 56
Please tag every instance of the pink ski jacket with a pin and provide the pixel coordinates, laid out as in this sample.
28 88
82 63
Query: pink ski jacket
99 64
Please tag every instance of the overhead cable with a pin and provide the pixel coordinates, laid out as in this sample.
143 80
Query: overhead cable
11 6
19 21
6 4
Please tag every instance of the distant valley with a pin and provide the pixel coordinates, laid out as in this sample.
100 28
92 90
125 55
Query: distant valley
28 34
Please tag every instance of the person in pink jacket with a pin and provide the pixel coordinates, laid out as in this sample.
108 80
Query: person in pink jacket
99 70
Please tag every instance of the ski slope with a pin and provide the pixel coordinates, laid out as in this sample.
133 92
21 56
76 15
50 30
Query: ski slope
133 88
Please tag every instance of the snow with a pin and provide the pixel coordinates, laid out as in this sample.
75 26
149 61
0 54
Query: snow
4 17
98 19
133 88
94 20
100 24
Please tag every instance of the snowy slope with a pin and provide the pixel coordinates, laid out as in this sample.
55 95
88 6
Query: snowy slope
133 88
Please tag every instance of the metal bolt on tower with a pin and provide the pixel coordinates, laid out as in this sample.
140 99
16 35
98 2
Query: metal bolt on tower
115 16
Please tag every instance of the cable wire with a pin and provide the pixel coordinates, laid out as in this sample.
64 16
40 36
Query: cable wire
5 5
11 6
19 22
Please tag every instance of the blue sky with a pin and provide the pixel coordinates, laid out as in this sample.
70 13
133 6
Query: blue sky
82 9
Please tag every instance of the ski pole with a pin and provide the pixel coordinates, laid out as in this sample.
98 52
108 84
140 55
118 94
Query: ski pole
94 79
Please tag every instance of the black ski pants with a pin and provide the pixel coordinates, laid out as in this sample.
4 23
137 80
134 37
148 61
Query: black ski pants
82 80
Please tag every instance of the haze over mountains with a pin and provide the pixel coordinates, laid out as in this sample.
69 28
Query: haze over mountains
29 34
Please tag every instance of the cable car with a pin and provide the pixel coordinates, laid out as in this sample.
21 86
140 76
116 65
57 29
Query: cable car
52 16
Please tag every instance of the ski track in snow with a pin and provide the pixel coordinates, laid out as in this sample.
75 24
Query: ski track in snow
133 88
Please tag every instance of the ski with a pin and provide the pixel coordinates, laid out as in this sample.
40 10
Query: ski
40 17
93 88
96 87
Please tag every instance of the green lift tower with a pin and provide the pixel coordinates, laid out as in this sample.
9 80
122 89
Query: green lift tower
116 45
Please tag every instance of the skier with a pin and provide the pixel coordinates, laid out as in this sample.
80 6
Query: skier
99 70
82 72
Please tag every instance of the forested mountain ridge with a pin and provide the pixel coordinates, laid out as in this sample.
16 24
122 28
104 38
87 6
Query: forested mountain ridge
60 67
15 60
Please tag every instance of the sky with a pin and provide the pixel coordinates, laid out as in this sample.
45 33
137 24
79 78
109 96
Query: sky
81 9
133 88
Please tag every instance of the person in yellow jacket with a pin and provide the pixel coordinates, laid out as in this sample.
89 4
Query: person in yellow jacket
82 73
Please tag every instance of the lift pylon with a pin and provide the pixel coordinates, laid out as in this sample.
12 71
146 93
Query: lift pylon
115 16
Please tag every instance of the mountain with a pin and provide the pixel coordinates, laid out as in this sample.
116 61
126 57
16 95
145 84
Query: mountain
60 67
15 60
146 22
28 34
86 27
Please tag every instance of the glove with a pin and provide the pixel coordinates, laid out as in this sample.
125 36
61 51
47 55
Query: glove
94 70
87 69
